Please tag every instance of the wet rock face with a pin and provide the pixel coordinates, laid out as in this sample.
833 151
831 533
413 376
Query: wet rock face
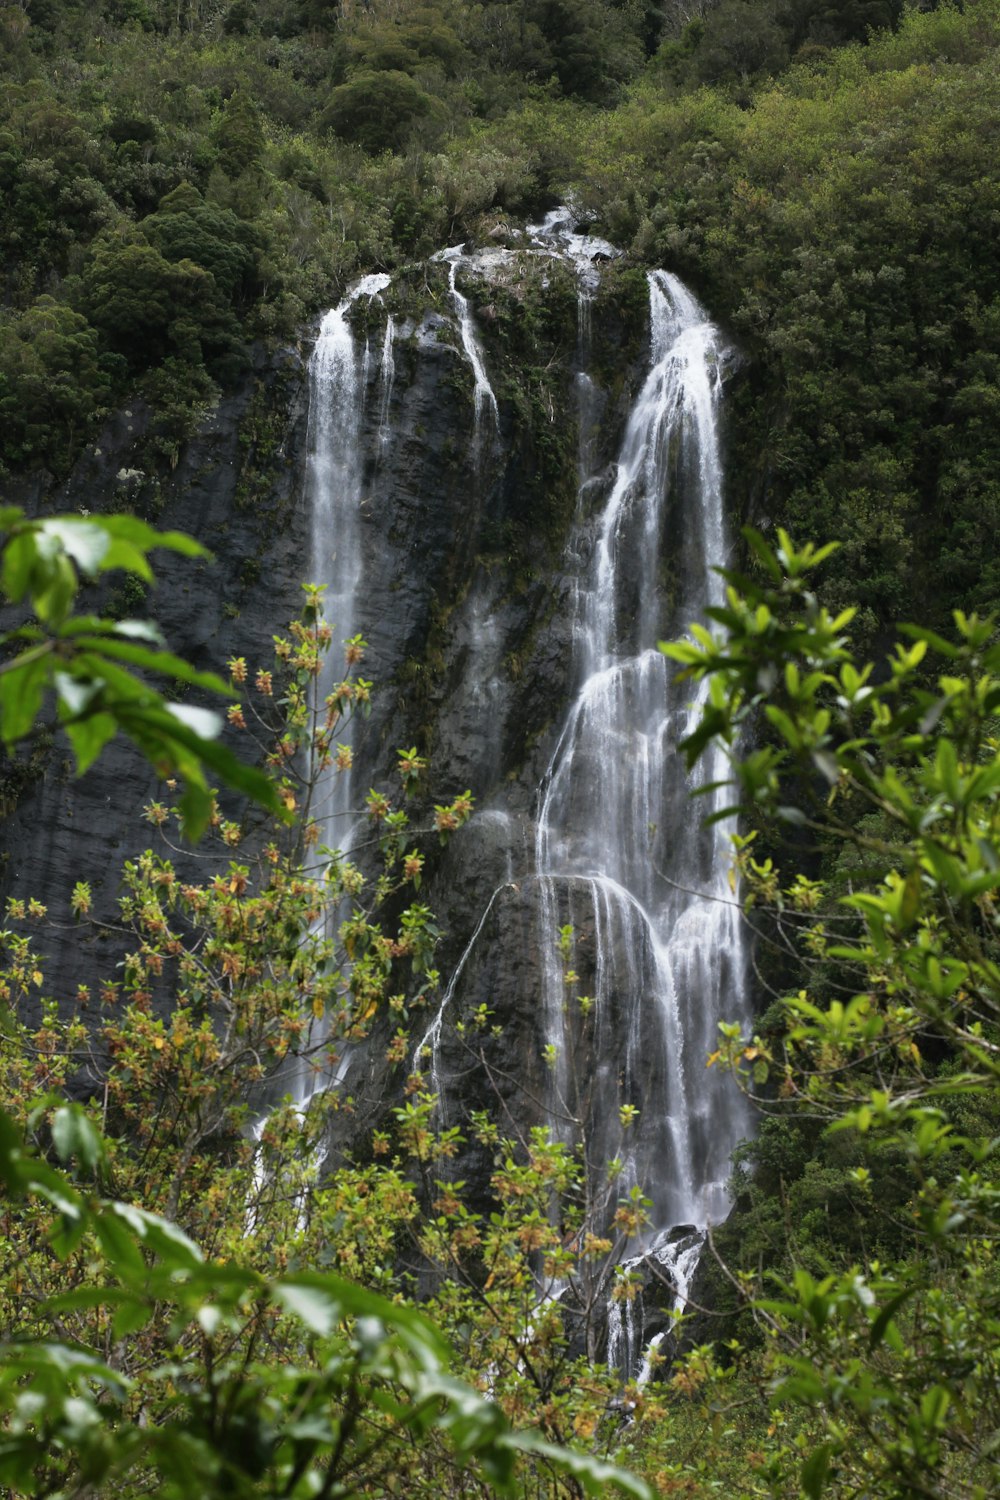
247 511
520 470
465 587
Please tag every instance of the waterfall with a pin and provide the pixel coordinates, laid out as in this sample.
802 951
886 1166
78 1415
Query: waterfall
620 859
333 489
387 378
673 1262
483 393
622 855
621 850
333 486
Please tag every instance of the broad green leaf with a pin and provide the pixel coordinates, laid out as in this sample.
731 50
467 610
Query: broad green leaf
163 662
882 1323
88 737
53 597
203 721
22 688
86 542
39 1356
815 1471
119 1245
122 554
74 696
315 1308
20 560
195 807
132 1314
762 552
593 1473
141 630
164 1238
931 638
243 778
416 1332
74 1135
141 534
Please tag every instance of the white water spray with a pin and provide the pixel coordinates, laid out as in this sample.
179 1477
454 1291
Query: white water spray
387 379
618 835
333 488
483 394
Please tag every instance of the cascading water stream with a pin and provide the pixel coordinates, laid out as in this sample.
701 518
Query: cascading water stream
387 379
337 386
333 488
621 849
333 483
483 392
337 381
620 845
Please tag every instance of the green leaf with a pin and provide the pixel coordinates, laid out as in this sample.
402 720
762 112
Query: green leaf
86 542
195 807
314 1307
205 722
118 1243
409 1327
140 534
935 641
593 1473
141 630
758 546
74 696
157 722
815 1471
881 1324
74 1135
20 558
162 1237
163 662
89 737
826 765
53 596
36 1357
22 688
131 1315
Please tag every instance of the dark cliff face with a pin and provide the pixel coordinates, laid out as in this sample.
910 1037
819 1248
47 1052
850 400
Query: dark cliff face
246 508
475 529
465 589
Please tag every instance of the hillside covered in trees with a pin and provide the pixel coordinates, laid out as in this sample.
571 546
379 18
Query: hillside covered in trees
185 189
179 181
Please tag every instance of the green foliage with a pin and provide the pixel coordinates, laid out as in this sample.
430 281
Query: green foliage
177 1332
94 668
377 109
185 227
359 1377
53 381
893 1042
139 300
842 226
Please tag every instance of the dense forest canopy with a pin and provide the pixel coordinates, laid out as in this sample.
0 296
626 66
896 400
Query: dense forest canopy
183 181
830 192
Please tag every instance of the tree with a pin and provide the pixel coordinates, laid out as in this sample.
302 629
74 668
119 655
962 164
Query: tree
186 228
896 1038
203 1358
137 298
93 667
53 382
378 109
